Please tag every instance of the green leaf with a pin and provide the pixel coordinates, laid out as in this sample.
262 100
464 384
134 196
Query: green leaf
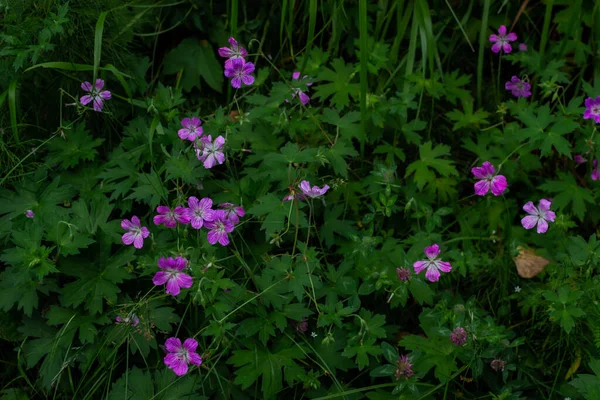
389 352
429 162
569 193
77 146
197 60
149 189
339 87
383 370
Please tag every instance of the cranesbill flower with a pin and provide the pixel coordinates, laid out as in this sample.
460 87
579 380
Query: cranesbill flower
29 214
191 129
403 367
458 336
592 109
304 99
502 40
595 170
294 195
169 218
522 47
136 234
488 180
579 159
171 275
518 87
403 274
209 152
199 211
132 320
539 216
219 227
314 191
96 94
433 265
239 71
232 53
179 356
233 212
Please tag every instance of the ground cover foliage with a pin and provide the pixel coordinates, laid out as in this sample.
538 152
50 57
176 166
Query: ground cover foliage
327 199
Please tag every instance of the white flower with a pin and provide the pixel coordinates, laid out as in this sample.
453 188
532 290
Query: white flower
313 334
517 289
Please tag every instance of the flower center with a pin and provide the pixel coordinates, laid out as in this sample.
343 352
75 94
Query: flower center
596 110
221 226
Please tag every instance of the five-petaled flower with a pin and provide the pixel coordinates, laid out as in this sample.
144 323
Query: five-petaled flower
433 265
191 129
199 211
219 227
136 234
488 180
232 53
179 356
304 99
518 87
171 275
233 212
595 170
539 216
592 109
169 218
29 214
502 40
209 152
96 94
239 71
313 191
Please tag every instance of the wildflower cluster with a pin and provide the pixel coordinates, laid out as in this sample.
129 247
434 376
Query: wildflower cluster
236 67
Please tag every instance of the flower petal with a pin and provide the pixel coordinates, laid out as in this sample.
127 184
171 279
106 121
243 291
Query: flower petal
88 87
444 266
85 100
544 205
502 30
173 286
99 84
529 221
173 345
194 358
127 224
419 266
499 185
180 367
530 208
542 226
160 278
184 280
128 238
432 274
190 345
138 243
432 251
482 187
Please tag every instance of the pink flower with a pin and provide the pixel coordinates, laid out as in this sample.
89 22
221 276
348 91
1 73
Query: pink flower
191 129
171 275
592 109
579 159
502 40
132 320
96 94
314 191
239 71
403 274
538 216
403 367
209 152
199 211
179 356
235 52
595 170
233 212
522 47
433 264
169 218
136 234
304 99
458 336
29 214
219 227
294 195
518 87
488 180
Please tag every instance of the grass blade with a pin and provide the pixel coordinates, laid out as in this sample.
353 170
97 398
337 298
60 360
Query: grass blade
98 43
364 63
482 45
12 107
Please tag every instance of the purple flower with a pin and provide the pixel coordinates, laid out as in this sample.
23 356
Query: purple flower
433 264
169 218
403 274
304 99
179 356
199 211
498 364
522 47
136 234
219 227
595 170
592 109
538 216
294 195
171 275
209 152
488 180
314 191
458 336
302 326
579 159
133 320
239 71
518 87
232 53
29 214
403 367
233 212
191 129
502 40
96 94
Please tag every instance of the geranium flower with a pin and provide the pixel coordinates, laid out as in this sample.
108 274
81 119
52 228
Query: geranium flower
488 180
314 191
579 159
233 212
592 109
136 234
595 170
518 87
169 218
179 356
29 214
96 94
219 227
209 152
171 275
538 216
502 40
433 264
522 47
239 71
232 53
304 99
132 320
199 211
191 129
